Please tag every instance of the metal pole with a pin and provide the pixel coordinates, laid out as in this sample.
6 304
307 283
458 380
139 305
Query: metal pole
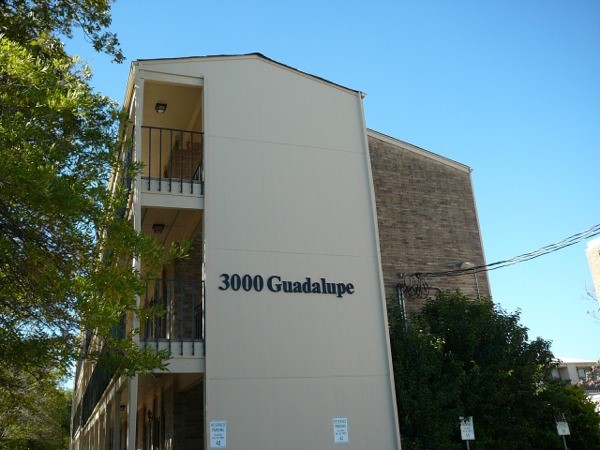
476 282
565 442
468 447
400 293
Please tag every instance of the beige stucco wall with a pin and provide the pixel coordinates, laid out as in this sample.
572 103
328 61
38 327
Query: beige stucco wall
288 193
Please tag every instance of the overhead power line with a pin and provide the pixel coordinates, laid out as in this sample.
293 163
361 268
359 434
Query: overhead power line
566 242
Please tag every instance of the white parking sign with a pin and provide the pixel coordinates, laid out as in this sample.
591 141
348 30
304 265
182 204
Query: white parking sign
563 428
340 430
467 431
218 434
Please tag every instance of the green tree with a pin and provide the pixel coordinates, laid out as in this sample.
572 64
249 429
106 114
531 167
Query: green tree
65 247
468 357
23 21
581 415
38 418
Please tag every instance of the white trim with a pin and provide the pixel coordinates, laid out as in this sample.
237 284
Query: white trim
418 151
132 413
129 89
173 199
151 75
375 225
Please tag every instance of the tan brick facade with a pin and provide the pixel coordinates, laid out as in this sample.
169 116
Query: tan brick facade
426 216
188 419
170 416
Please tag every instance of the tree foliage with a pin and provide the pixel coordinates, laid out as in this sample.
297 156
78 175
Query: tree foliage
468 357
37 419
66 250
24 21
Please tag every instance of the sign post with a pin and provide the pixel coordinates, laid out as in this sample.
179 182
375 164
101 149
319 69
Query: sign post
563 430
467 431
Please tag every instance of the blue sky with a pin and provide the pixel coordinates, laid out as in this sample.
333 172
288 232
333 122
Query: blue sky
509 88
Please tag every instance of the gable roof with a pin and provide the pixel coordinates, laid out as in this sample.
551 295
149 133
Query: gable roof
256 55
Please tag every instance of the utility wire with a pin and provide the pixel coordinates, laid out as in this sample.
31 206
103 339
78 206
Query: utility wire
567 242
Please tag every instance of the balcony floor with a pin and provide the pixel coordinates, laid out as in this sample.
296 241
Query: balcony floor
159 195
186 356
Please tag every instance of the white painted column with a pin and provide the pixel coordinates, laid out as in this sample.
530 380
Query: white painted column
107 427
137 225
117 420
132 413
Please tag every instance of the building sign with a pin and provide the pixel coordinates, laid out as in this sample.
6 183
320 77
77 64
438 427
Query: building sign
340 430
275 283
218 434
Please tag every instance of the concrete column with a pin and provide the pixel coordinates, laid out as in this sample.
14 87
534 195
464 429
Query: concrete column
107 427
117 421
132 413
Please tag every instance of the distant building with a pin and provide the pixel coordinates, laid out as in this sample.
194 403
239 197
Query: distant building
593 255
301 220
584 373
573 370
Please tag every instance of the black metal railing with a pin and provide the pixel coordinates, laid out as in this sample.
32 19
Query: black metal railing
76 420
96 386
128 160
176 314
172 159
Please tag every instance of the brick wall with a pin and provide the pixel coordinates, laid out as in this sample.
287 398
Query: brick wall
426 216
168 406
188 299
177 420
191 267
184 162
188 419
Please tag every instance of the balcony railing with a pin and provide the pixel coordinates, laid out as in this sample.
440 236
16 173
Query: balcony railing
177 325
179 314
172 160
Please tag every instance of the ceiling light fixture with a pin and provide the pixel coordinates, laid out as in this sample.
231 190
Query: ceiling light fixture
160 108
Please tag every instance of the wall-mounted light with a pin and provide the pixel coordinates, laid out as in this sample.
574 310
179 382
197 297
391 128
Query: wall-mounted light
160 108
158 228
469 265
